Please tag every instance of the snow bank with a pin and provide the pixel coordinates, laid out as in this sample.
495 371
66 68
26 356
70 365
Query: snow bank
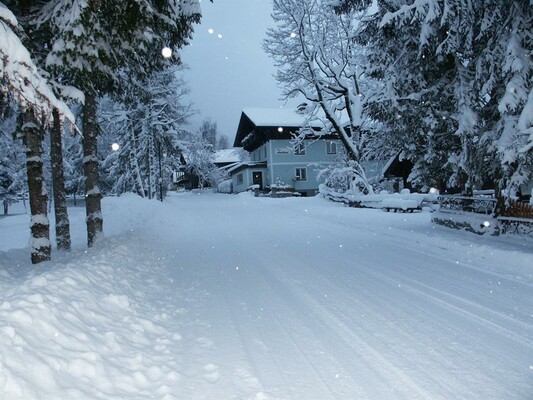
81 330
400 204
81 327
404 200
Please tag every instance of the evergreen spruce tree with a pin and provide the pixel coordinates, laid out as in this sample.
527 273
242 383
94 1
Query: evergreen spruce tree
33 135
148 123
208 132
91 41
457 84
58 185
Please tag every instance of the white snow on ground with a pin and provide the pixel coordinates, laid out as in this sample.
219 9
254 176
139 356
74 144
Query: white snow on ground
211 296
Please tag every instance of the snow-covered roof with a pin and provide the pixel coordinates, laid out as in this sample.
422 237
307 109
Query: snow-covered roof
278 117
245 164
258 125
227 156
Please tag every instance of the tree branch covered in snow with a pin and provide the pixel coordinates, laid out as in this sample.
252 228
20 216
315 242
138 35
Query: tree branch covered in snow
456 88
314 50
21 75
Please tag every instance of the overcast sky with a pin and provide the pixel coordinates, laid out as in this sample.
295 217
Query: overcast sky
229 70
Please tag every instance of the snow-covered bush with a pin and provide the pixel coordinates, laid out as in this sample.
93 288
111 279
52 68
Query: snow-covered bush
343 177
225 186
280 185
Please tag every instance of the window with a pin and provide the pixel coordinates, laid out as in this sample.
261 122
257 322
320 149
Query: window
331 148
301 174
240 179
299 150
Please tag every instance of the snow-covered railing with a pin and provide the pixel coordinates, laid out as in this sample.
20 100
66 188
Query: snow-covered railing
484 215
341 198
478 205
475 214
516 225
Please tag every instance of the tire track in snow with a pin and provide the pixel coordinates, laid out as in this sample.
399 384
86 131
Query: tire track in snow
442 346
377 377
450 353
273 333
380 283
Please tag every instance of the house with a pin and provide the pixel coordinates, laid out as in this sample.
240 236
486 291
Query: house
184 178
274 159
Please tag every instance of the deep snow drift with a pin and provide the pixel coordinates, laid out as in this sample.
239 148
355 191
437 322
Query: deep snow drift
212 296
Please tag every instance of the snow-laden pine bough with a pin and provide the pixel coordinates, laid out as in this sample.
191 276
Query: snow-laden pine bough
24 82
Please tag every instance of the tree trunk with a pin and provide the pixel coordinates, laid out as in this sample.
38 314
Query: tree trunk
6 207
93 196
41 250
58 185
134 165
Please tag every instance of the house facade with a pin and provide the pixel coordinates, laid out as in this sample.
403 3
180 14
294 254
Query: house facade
274 159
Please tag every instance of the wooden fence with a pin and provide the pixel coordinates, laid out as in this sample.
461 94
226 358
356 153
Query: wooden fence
515 209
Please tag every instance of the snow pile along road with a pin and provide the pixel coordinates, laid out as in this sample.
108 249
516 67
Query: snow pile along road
88 329
233 297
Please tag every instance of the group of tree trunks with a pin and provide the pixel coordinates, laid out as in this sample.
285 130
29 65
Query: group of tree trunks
113 39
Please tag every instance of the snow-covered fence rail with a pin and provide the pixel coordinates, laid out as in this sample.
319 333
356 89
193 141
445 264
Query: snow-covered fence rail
485 215
474 214
478 205
516 225
387 201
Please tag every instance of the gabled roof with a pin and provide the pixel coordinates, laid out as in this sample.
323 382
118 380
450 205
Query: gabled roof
258 125
285 117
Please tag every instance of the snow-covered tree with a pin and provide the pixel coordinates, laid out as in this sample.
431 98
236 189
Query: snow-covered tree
21 77
222 143
209 134
314 50
456 93
91 41
58 185
200 161
12 174
338 176
148 124
12 177
73 165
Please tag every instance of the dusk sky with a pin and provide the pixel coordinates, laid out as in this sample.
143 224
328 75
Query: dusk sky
229 70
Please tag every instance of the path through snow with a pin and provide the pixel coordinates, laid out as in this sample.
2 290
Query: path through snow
234 297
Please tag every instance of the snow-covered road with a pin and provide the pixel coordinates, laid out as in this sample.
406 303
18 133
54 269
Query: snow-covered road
317 301
306 299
